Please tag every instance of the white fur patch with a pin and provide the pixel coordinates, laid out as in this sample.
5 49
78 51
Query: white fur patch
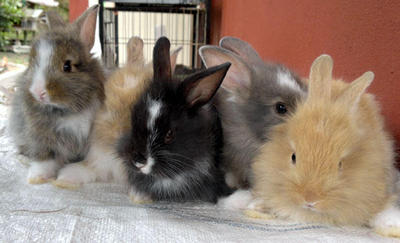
76 173
41 171
286 80
154 112
148 167
106 165
238 200
79 124
388 218
45 51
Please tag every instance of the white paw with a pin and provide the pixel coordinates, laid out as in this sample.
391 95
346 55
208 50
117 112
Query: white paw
139 197
43 171
387 222
74 175
240 199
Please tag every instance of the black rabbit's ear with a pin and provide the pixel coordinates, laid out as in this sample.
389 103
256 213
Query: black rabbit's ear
201 87
161 60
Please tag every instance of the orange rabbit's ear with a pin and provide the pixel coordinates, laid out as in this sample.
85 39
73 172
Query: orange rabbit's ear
320 78
135 51
351 95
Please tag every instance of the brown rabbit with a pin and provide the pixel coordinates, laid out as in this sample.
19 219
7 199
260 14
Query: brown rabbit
331 161
57 96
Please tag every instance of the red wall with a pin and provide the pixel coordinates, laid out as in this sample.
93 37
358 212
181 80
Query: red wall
76 8
360 35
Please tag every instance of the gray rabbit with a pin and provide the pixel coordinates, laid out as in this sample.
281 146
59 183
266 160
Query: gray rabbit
57 96
256 96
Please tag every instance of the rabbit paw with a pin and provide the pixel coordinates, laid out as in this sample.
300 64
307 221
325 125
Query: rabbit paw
387 222
73 176
42 172
238 200
258 215
139 197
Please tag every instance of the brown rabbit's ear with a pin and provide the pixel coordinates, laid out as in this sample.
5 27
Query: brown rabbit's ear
201 87
135 51
174 57
320 78
86 26
239 74
52 20
351 95
161 60
242 49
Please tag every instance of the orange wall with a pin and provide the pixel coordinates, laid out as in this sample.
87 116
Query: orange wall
76 8
360 35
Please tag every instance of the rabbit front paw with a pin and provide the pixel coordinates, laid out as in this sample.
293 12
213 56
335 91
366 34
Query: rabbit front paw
387 222
73 176
139 197
42 172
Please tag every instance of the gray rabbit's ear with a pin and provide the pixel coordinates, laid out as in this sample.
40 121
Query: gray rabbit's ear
239 74
242 49
86 26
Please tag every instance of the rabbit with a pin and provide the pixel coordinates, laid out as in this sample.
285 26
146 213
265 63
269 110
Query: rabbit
331 161
122 90
256 96
57 97
164 143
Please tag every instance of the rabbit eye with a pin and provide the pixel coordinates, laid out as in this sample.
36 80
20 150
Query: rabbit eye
280 108
67 66
294 158
169 137
340 165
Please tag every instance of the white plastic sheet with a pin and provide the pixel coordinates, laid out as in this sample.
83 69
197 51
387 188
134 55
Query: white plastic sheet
102 213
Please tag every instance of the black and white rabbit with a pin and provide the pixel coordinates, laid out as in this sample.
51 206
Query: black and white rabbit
57 96
255 96
169 148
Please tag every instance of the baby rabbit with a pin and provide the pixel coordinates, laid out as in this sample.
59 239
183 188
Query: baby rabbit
331 161
255 97
168 146
57 96
122 91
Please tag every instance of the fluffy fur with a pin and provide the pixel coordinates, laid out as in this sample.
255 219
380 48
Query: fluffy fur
57 96
332 160
129 143
252 91
122 91
172 150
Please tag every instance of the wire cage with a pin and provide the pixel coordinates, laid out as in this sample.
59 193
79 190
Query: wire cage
184 22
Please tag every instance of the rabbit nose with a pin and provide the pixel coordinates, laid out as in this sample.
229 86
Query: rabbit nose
42 95
139 165
310 205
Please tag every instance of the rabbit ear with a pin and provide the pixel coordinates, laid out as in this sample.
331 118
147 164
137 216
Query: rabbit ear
161 60
174 57
352 94
135 51
86 26
53 19
242 49
320 77
201 87
239 74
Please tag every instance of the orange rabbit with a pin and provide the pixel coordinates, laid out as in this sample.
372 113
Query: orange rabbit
331 161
